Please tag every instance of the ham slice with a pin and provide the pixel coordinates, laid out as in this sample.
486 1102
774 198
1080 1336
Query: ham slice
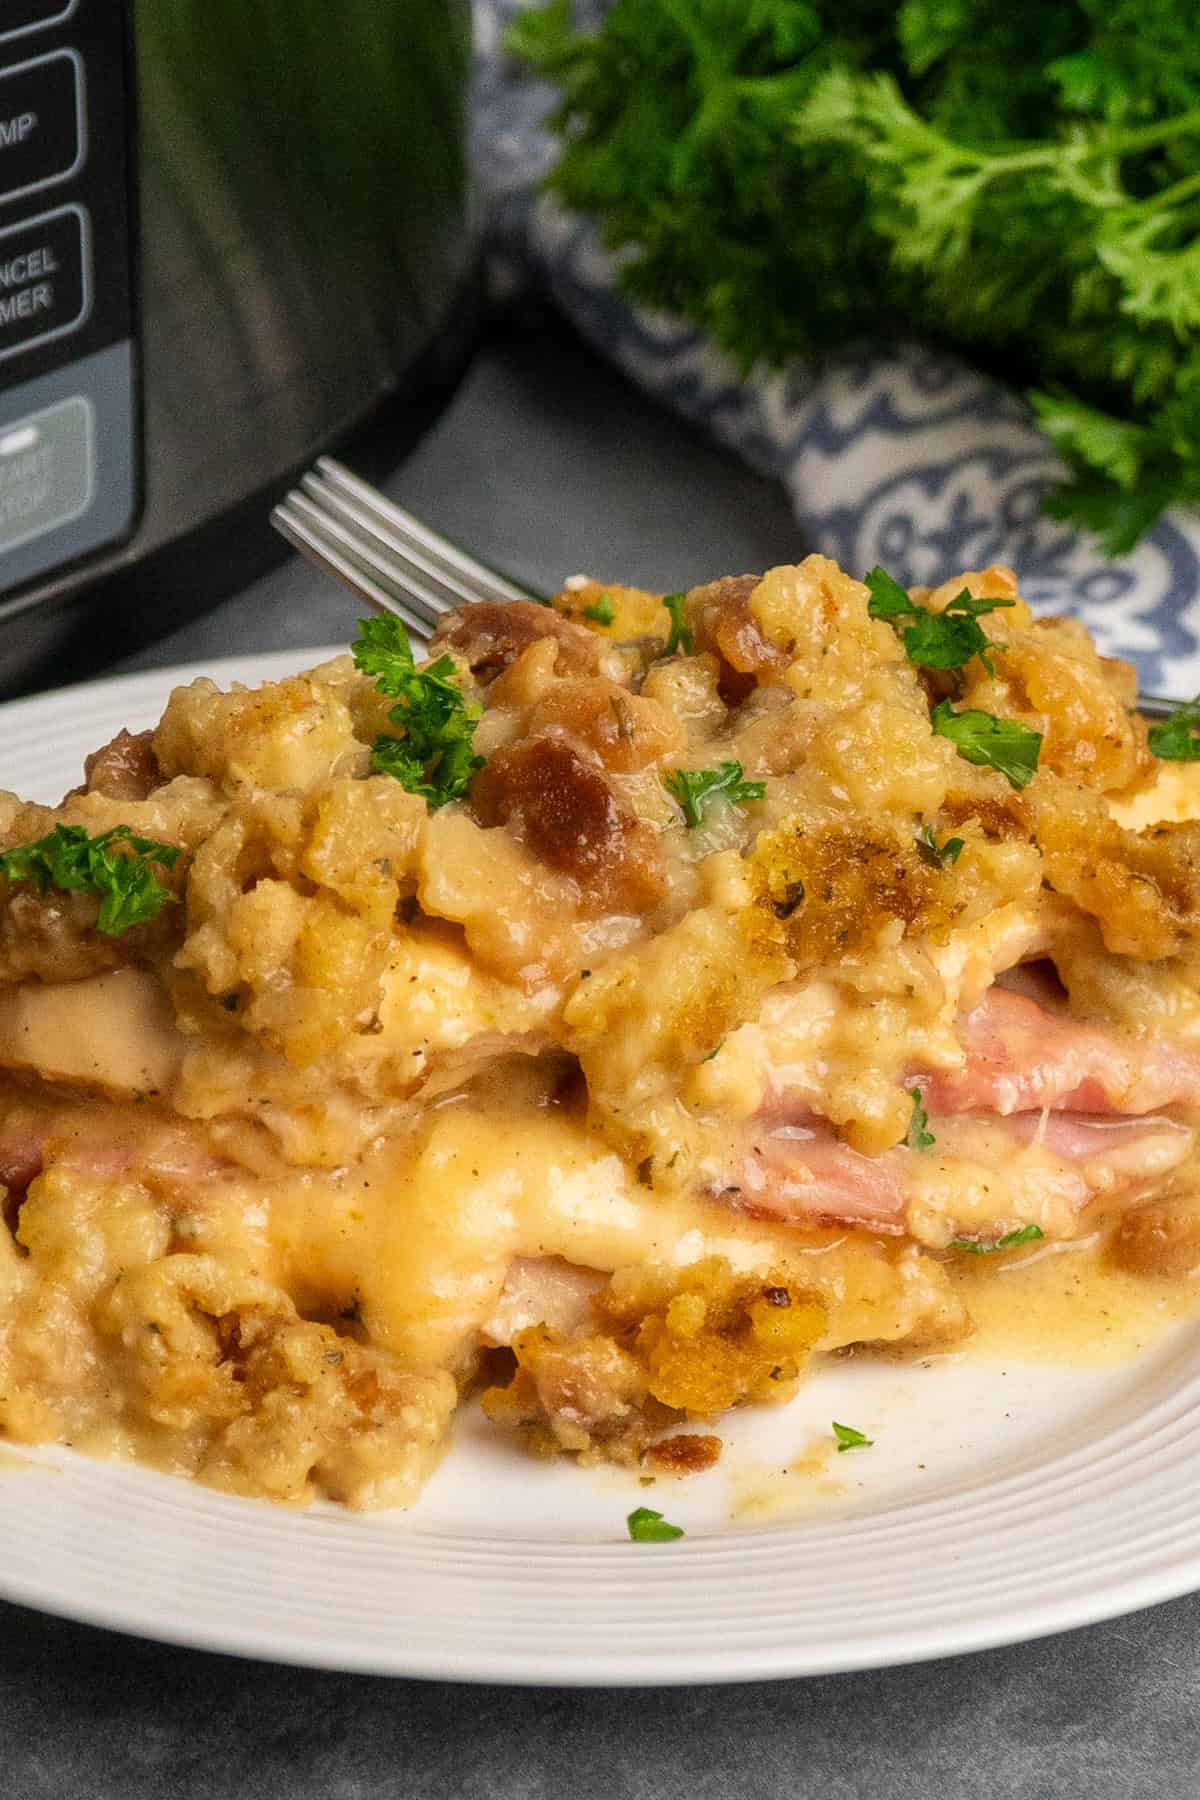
20 1161
1022 1056
804 1174
1114 1149
94 1144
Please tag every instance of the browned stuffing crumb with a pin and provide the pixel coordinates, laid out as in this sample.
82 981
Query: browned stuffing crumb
664 1346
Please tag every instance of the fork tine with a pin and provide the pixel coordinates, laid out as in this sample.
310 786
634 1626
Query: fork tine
307 537
477 582
381 567
407 567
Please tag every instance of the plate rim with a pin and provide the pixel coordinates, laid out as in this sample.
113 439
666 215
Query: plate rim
894 1647
274 663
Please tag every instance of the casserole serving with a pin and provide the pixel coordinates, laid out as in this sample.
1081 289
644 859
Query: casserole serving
639 1000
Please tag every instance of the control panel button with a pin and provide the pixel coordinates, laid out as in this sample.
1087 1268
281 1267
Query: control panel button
41 122
47 470
45 279
26 15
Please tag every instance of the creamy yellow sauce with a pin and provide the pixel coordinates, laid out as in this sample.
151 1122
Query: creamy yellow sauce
419 1235
1054 1307
1068 1305
761 1492
408 1251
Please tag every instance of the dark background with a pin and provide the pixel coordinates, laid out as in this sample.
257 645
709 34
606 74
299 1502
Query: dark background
1111 1712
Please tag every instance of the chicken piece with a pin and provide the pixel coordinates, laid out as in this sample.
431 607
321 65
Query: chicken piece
541 1290
114 1032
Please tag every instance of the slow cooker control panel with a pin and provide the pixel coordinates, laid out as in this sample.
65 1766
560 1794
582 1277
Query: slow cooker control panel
69 434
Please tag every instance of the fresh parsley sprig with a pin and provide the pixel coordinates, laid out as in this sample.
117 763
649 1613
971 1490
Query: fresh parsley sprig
935 855
117 864
945 640
1013 178
645 1526
435 757
696 789
888 599
1177 738
981 738
679 637
1026 1234
382 649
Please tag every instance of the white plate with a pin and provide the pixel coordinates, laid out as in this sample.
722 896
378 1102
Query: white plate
999 1502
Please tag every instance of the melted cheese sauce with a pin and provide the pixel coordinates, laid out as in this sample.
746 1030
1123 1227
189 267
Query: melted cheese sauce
1068 1305
418 1238
408 1250
1056 1307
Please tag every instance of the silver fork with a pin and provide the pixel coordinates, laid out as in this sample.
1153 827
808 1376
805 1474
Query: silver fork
382 553
396 563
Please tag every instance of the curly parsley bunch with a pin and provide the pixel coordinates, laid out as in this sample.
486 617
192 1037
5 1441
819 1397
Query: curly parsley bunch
1018 180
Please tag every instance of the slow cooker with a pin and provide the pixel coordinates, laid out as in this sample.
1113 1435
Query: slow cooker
233 233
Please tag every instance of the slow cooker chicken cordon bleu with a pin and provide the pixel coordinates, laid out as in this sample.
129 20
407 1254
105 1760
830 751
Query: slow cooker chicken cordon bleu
614 1014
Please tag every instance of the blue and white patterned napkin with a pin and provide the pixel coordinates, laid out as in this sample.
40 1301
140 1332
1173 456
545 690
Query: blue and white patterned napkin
898 456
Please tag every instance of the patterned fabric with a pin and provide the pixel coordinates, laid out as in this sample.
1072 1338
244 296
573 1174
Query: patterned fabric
896 455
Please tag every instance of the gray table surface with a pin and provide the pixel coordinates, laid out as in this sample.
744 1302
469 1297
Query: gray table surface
546 463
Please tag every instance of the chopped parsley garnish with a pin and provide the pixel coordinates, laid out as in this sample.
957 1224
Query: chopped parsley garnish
600 611
439 775
938 856
382 649
888 599
648 1527
918 1136
118 865
695 789
434 758
709 1056
1177 739
1026 1234
680 637
945 640
981 738
850 1439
